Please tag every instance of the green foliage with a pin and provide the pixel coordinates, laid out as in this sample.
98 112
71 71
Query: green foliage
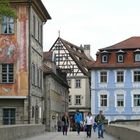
6 10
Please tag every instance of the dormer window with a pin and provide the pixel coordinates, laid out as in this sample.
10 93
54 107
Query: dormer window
120 56
137 55
104 57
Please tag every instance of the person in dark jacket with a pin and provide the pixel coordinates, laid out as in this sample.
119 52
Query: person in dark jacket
65 123
99 119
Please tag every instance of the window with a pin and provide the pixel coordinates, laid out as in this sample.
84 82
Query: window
78 100
33 111
58 47
40 33
36 76
137 57
120 58
66 56
104 58
69 82
103 100
33 74
9 116
7 73
120 76
40 78
136 76
7 25
120 100
69 99
77 83
58 57
34 26
137 100
103 77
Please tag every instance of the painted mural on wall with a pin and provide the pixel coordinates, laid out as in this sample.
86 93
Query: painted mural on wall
13 50
8 49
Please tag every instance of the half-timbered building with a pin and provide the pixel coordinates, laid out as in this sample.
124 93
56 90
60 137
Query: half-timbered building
72 60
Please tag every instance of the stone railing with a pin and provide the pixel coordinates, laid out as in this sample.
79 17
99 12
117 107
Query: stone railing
123 131
16 132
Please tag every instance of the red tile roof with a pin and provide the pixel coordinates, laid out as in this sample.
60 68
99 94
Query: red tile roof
129 46
130 43
47 56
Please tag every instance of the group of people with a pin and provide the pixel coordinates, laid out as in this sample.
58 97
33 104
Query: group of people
90 123
98 122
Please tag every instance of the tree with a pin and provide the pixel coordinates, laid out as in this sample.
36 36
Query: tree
6 10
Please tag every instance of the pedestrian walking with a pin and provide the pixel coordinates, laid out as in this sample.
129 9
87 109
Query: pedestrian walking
78 120
65 123
89 124
59 125
99 119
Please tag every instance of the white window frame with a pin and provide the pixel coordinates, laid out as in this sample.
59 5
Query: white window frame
120 58
134 102
133 75
8 74
100 100
117 100
106 77
137 57
134 92
119 92
104 58
116 76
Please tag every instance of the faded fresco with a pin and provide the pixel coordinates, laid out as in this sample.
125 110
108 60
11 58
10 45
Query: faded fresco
23 39
13 49
8 49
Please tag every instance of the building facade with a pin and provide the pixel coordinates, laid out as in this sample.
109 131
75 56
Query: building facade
21 55
72 60
56 93
115 81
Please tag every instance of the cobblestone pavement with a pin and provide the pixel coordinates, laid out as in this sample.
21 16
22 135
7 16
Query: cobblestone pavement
69 136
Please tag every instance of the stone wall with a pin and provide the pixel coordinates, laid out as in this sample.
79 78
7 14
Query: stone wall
16 132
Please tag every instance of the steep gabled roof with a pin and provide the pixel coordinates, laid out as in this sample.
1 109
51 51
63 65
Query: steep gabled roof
130 43
76 53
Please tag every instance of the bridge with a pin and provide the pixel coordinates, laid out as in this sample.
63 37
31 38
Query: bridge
37 132
70 136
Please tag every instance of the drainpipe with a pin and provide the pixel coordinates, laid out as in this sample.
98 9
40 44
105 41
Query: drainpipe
29 64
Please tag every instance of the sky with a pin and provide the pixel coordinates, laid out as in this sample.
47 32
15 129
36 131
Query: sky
100 23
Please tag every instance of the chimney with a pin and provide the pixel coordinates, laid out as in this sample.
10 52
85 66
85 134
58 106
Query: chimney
87 50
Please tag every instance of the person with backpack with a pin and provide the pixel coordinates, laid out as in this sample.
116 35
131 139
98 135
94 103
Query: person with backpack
99 119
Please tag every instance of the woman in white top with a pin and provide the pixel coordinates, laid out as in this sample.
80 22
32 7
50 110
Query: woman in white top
89 123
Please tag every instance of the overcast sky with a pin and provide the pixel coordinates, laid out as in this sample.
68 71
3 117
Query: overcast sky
100 23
